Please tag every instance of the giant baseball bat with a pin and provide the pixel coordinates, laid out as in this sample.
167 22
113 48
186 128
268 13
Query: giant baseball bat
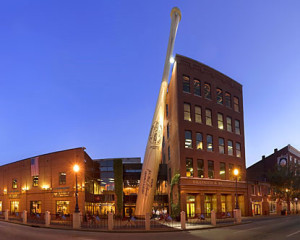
153 151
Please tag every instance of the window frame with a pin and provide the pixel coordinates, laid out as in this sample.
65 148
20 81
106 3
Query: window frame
186 84
195 87
208 117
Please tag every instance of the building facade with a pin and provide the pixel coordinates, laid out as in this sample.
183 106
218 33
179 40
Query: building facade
204 140
258 174
44 183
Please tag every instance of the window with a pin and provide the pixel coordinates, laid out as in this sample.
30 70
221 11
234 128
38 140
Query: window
187 112
236 105
14 184
230 171
208 117
197 87
238 149
169 154
229 124
167 110
207 91
168 131
230 147
189 167
199 141
200 168
35 181
186 84
228 99
221 146
219 96
210 169
198 115
220 121
222 170
209 140
188 139
35 207
62 207
237 127
62 178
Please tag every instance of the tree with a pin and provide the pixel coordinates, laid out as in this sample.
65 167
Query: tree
285 182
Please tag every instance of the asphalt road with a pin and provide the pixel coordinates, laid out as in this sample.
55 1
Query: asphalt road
271 228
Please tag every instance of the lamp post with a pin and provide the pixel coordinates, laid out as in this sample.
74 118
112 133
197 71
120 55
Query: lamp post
296 200
236 173
76 169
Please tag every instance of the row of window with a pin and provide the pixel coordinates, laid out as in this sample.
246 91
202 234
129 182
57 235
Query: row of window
188 143
220 98
210 170
35 180
208 118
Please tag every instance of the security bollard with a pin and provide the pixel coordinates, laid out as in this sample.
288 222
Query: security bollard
47 218
24 216
183 220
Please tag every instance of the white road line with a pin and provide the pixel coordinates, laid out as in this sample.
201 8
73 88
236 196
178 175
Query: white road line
249 229
292 234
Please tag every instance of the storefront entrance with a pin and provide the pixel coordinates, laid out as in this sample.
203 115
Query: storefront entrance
190 206
14 207
256 208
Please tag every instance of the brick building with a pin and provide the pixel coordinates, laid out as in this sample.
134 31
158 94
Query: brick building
44 183
289 157
204 139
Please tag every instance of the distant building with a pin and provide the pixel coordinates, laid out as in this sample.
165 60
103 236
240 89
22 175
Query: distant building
204 139
257 175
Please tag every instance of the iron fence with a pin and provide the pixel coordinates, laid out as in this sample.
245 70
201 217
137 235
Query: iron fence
36 218
95 221
15 216
61 220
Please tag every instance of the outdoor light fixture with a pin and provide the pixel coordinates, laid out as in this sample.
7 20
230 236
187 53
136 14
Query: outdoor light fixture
172 60
76 170
236 173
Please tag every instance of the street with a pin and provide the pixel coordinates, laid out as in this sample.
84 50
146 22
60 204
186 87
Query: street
261 228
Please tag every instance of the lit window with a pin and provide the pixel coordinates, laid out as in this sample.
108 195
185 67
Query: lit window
238 149
186 84
209 140
188 139
229 124
14 184
220 121
197 87
228 99
208 117
200 168
62 178
35 207
230 147
187 112
198 115
219 96
207 91
35 181
221 146
222 170
236 105
199 141
210 166
189 167
237 127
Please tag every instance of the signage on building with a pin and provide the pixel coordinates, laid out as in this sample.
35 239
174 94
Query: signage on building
201 182
61 194
13 195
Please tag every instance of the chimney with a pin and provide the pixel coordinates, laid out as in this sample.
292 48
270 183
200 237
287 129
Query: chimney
263 157
275 150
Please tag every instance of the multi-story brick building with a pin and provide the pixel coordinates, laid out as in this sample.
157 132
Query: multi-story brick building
204 139
44 183
288 157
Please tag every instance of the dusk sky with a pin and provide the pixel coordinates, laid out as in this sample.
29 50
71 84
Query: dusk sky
88 73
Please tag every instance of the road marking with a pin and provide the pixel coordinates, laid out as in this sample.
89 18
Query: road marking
292 234
249 229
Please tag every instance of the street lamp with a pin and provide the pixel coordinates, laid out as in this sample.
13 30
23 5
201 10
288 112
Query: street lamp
76 170
236 173
296 200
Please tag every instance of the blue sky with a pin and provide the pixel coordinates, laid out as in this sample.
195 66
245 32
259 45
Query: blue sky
87 73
